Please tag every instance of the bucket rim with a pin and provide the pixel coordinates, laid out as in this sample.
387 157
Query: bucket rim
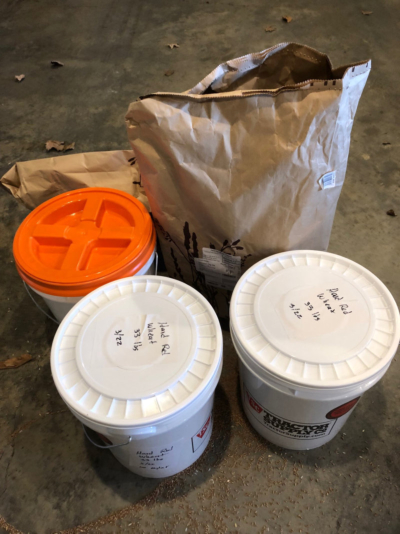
296 380
72 356
71 272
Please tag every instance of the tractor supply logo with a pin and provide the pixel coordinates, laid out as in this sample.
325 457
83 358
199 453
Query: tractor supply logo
201 435
284 427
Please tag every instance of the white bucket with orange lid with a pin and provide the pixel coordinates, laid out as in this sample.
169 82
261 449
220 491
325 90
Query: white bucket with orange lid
81 240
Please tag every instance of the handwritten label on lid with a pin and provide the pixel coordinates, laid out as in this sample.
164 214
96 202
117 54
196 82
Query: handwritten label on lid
139 340
311 312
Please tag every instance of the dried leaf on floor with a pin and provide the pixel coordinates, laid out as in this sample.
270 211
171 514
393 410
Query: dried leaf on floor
60 146
367 12
169 72
20 77
173 45
56 63
286 18
391 213
69 146
270 29
13 363
56 145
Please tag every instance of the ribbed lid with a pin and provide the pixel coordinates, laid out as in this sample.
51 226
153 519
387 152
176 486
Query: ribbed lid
136 351
79 240
314 318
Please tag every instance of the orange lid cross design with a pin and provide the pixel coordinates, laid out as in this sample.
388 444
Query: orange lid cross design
83 239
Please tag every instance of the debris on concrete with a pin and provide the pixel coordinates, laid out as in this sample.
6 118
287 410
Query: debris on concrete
14 363
60 146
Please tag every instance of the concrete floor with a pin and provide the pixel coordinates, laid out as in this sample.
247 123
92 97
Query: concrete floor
51 479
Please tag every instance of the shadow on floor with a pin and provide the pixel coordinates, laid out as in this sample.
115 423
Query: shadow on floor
120 480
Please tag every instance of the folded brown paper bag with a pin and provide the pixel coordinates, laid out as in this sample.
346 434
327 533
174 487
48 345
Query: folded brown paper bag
34 182
249 162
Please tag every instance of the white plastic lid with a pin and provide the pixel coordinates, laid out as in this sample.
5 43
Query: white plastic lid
136 351
314 318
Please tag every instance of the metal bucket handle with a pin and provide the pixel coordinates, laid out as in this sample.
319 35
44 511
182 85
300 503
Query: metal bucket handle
104 446
49 316
36 304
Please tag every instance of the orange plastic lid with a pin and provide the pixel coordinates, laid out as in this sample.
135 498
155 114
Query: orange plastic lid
83 239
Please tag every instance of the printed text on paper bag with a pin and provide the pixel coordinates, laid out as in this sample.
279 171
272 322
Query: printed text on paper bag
220 269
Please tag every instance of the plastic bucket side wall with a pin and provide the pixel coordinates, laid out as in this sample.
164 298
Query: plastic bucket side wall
164 449
60 305
289 421
295 417
173 444
166 454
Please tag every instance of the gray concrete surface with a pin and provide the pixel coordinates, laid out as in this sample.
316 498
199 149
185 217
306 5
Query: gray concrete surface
50 478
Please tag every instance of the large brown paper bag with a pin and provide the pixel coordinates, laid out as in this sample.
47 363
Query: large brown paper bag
34 182
248 163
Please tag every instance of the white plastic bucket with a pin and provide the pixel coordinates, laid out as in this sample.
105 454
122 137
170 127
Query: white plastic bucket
81 240
313 332
60 305
150 405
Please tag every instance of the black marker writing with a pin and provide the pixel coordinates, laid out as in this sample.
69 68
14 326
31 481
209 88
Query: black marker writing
150 333
118 338
165 349
296 311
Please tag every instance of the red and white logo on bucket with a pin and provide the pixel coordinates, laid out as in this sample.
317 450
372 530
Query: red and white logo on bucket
342 409
201 435
253 404
285 427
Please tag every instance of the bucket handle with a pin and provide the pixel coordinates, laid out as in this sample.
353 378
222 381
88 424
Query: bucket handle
104 446
36 304
49 316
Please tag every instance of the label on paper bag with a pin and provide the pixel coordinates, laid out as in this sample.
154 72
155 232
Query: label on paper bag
220 269
285 427
328 180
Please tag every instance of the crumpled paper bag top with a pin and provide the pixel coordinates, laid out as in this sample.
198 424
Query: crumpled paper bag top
34 182
249 162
